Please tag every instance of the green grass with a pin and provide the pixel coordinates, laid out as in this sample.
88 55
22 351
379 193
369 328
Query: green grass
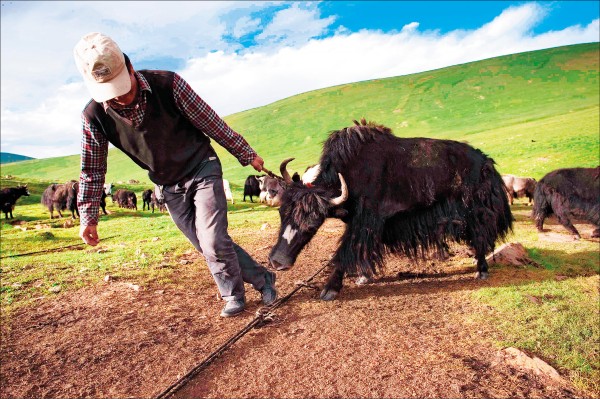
557 320
554 312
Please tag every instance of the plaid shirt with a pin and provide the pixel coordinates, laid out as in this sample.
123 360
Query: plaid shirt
94 145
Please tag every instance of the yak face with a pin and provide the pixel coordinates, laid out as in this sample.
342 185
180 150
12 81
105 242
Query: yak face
303 210
22 191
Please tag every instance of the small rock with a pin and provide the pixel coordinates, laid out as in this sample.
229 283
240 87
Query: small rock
184 262
55 289
265 226
102 250
517 358
155 238
16 286
107 278
134 287
512 253
68 224
534 299
160 292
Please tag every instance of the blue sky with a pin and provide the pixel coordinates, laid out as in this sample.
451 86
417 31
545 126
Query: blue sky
243 54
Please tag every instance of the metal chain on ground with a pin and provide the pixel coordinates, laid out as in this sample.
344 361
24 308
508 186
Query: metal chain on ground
263 316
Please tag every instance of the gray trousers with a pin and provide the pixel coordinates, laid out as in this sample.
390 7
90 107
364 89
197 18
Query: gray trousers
198 207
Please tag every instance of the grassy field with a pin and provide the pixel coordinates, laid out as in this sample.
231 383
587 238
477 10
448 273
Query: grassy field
532 112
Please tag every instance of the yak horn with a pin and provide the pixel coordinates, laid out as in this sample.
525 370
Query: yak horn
284 172
343 196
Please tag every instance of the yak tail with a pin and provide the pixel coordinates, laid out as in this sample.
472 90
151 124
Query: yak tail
542 206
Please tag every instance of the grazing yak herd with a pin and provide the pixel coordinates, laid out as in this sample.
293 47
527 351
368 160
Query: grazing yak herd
409 196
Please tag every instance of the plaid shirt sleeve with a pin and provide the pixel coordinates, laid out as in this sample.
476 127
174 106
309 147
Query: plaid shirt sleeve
94 153
206 119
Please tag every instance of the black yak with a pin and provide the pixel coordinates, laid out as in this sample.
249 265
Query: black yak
147 198
157 203
251 187
568 193
125 199
396 195
518 187
60 197
9 197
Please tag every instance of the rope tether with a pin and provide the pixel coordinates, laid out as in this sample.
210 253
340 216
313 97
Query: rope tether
263 316
50 249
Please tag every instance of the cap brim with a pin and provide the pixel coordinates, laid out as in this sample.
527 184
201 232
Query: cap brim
117 86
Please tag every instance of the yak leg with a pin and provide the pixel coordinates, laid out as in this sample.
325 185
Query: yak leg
361 249
482 268
565 221
334 284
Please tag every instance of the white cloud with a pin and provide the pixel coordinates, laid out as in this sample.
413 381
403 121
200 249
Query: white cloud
42 94
294 25
261 77
244 26
50 130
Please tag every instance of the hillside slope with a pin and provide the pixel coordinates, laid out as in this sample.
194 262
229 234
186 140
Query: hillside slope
532 112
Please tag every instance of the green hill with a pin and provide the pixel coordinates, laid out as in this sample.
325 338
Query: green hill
7 157
532 112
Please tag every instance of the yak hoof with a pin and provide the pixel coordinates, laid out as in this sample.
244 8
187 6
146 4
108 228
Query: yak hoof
482 275
328 295
363 280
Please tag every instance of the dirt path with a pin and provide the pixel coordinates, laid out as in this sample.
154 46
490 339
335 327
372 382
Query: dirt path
395 338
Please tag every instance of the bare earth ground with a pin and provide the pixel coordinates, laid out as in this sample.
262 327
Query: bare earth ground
396 338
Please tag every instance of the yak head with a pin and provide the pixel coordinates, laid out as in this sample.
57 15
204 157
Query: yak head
22 190
303 210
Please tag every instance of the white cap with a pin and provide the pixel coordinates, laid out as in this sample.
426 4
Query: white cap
102 64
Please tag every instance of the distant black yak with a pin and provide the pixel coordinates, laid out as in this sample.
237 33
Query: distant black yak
60 197
125 199
396 195
147 198
569 193
251 187
9 197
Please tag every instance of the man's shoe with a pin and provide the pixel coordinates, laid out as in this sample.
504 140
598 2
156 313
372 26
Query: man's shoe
268 291
233 308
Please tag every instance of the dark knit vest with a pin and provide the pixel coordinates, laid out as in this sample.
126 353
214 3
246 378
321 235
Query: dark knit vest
166 143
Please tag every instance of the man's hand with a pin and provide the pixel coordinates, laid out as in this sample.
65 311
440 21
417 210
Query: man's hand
89 235
257 163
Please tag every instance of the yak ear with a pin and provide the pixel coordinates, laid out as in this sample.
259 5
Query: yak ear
338 213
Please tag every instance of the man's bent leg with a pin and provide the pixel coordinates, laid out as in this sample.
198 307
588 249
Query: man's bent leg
203 228
211 231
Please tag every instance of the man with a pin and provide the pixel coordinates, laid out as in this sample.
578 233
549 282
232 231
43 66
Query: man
165 127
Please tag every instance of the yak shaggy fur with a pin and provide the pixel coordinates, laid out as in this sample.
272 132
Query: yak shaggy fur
405 195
